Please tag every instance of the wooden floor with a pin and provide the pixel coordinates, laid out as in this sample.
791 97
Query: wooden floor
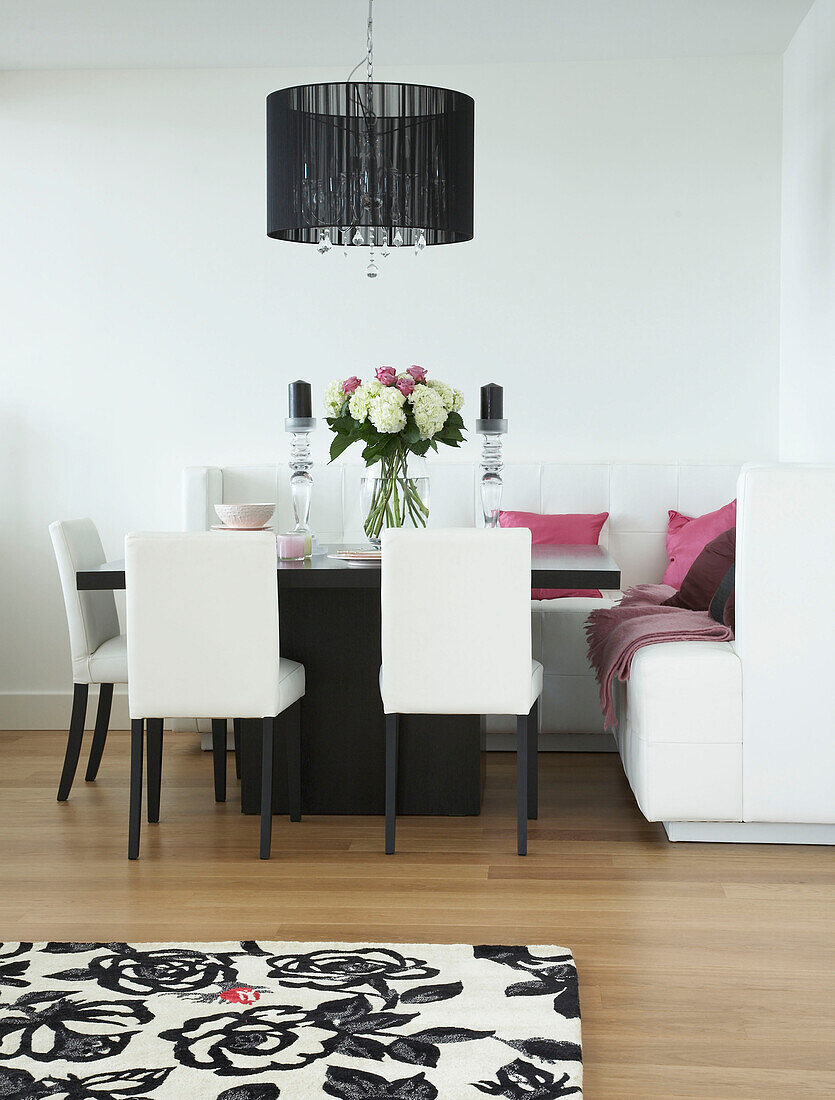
706 971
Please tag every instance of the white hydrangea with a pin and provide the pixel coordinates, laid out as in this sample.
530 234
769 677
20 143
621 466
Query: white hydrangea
453 399
361 399
334 398
385 411
445 392
429 409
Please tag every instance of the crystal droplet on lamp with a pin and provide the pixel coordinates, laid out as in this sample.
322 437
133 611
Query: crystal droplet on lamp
346 229
420 243
398 239
358 237
325 243
385 250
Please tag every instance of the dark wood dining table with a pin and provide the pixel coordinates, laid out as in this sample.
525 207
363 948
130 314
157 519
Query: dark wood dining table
329 619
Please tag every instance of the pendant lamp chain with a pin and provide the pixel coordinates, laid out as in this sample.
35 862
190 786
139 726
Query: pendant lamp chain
371 130
370 55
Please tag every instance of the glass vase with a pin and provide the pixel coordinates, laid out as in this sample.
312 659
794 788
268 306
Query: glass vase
395 493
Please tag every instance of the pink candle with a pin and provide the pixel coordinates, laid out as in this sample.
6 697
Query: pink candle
290 547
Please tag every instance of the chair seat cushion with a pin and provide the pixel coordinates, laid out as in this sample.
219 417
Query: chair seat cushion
536 681
536 684
290 682
109 663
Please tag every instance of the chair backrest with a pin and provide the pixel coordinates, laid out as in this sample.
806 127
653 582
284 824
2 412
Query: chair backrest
91 616
202 625
785 617
456 621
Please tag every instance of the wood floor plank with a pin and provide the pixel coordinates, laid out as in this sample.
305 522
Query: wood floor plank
705 970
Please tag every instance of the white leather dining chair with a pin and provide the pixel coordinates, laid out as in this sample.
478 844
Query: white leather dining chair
98 649
456 639
202 622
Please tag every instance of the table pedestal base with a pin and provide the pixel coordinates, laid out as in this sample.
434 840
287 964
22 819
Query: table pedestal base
335 633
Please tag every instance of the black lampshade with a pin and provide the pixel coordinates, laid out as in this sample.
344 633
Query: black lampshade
360 155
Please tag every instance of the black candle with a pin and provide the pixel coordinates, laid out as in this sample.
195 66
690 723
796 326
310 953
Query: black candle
301 402
492 402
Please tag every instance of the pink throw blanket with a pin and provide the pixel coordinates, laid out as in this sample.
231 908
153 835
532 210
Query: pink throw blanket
616 633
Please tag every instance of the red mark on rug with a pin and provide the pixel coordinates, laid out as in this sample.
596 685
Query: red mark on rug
241 995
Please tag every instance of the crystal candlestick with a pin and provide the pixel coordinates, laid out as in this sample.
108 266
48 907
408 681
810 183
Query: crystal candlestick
301 479
491 468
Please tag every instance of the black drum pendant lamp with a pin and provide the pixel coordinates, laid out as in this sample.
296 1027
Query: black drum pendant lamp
367 165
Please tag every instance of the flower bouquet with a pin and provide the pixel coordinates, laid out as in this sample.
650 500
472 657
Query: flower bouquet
396 416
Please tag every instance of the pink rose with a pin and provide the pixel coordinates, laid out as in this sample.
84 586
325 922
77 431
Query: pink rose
386 375
350 384
418 373
405 384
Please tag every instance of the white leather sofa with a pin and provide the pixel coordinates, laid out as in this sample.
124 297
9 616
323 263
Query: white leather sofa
735 741
636 496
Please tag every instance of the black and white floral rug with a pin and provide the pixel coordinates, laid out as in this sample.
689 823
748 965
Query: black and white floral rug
257 1021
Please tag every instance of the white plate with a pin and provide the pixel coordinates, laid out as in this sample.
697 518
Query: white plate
356 557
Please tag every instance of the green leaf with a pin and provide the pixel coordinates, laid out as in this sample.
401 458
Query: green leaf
370 454
448 435
339 443
344 424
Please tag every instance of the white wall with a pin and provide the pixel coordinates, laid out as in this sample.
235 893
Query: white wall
623 285
807 384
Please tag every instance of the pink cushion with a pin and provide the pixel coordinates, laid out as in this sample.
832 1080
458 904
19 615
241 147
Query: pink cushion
568 530
687 537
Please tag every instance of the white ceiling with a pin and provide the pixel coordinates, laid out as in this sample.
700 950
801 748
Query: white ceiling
112 34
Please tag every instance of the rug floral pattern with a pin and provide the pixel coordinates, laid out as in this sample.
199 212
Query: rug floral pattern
261 1021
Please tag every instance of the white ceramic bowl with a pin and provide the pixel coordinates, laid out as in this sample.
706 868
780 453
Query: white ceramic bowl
244 515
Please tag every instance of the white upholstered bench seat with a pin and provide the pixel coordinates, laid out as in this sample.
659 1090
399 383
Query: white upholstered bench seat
680 730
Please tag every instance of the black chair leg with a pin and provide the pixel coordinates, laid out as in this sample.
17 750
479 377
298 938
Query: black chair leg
154 737
100 732
236 725
219 757
522 784
533 762
392 730
293 741
79 713
137 735
267 747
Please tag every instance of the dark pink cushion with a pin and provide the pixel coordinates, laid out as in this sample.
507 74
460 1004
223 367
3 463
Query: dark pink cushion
705 574
688 536
568 530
